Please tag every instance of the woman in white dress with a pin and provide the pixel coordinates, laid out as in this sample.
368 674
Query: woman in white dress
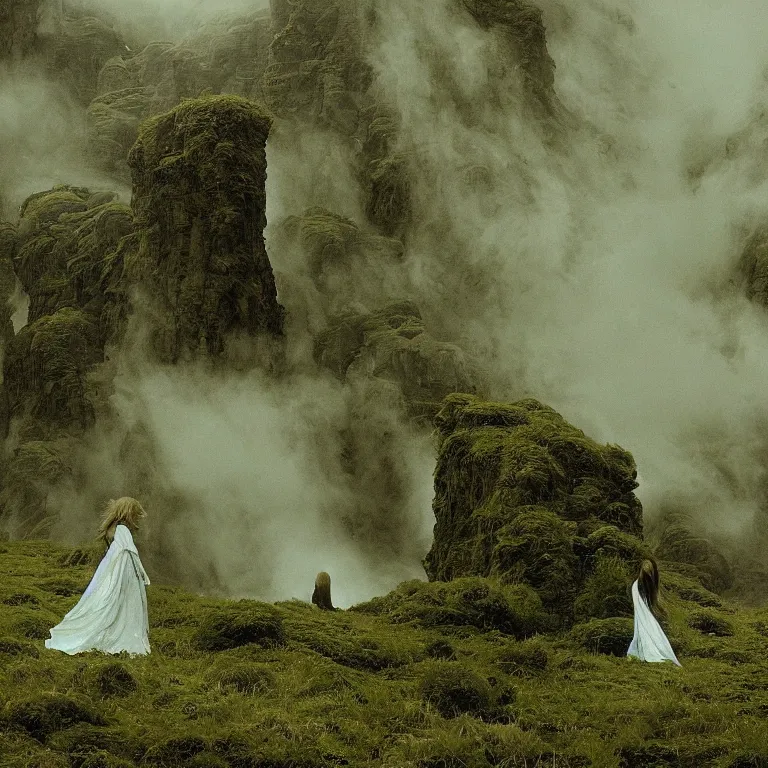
649 643
111 616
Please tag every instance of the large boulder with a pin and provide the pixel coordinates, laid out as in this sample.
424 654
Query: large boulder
523 496
199 199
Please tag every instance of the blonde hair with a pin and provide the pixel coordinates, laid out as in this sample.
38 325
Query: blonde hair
125 510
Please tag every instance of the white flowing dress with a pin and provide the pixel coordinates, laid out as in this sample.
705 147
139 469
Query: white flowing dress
111 616
649 643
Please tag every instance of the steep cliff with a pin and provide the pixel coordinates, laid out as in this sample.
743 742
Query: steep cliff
199 198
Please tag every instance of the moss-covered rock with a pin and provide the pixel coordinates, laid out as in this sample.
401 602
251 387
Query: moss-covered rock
112 679
606 591
453 690
464 602
199 199
392 343
84 741
240 624
509 501
609 636
710 623
44 715
46 365
227 55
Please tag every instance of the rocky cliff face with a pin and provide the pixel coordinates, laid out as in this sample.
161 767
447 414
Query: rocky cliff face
187 260
229 57
199 176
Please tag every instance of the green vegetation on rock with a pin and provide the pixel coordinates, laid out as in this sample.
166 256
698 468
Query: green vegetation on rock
522 495
198 196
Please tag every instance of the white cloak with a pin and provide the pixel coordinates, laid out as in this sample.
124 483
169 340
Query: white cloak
111 616
649 643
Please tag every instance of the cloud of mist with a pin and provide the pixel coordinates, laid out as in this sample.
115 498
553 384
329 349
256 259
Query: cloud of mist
596 278
264 498
42 140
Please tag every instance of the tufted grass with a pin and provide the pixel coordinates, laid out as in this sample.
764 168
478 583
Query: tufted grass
368 688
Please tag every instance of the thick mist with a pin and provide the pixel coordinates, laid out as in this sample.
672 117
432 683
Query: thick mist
42 140
600 275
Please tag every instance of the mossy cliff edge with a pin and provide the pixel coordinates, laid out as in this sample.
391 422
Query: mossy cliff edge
187 260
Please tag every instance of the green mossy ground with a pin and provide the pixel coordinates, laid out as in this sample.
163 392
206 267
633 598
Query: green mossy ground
404 680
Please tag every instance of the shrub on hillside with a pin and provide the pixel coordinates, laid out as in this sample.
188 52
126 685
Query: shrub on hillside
454 690
609 636
238 625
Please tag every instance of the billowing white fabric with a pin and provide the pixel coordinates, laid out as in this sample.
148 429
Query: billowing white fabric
111 616
649 643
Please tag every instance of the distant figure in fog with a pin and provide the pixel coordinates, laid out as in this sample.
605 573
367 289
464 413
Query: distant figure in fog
321 597
649 643
111 616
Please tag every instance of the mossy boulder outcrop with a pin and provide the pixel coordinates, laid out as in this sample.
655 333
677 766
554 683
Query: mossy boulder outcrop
523 496
199 199
470 601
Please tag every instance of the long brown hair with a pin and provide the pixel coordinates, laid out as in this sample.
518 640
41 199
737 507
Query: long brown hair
125 510
648 585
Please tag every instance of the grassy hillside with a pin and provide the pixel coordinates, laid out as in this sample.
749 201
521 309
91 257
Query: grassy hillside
432 675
